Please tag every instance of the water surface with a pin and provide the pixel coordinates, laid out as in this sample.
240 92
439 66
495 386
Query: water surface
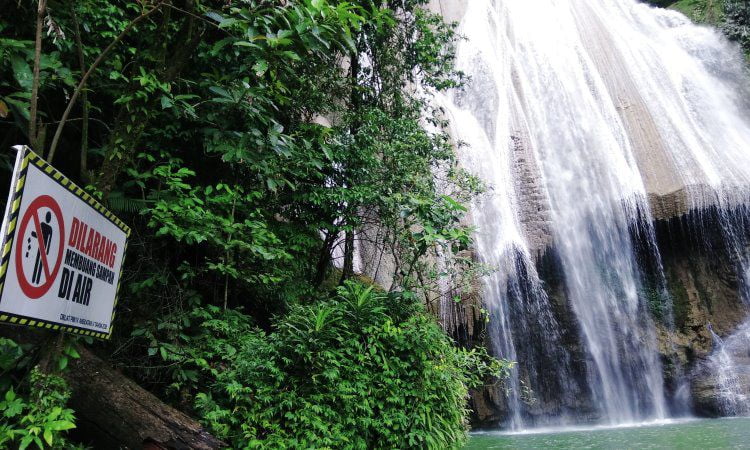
733 433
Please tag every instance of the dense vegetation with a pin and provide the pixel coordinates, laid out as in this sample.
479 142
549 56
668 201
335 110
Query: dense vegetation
737 22
247 143
731 16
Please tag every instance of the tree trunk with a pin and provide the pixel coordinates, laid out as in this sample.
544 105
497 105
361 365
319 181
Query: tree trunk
348 268
115 412
40 12
325 258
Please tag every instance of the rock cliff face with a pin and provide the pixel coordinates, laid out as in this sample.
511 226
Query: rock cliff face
702 275
697 301
451 10
706 287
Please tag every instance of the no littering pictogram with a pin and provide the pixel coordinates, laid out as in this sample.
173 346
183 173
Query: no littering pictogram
41 227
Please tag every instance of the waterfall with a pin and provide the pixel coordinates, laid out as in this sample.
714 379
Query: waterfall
588 120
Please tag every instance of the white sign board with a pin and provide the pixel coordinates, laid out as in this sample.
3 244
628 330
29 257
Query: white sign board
62 253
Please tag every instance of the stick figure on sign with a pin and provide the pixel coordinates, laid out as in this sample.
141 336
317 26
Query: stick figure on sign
47 238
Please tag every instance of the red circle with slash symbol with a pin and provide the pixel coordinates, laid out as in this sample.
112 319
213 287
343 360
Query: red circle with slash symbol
32 217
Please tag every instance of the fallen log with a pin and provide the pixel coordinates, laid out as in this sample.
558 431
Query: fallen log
114 412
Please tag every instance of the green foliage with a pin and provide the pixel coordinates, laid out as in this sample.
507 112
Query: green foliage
657 303
702 11
361 370
207 122
223 219
18 57
248 144
39 419
737 22
13 358
33 408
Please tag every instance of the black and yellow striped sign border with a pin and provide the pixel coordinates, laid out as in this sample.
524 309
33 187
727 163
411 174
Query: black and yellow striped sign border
29 157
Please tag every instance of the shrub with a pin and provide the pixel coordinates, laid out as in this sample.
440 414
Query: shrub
360 370
41 418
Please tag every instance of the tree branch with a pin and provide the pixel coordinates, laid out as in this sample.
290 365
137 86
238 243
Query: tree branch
84 99
84 79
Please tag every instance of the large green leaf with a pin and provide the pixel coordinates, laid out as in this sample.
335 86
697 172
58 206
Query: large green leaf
22 72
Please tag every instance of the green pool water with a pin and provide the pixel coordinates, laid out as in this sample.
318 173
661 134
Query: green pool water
684 434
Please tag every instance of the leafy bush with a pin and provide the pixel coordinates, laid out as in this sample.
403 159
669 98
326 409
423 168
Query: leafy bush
360 370
40 418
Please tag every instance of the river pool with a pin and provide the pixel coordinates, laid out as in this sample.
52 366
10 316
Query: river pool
733 433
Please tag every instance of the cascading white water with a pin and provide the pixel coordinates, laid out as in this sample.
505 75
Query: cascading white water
730 362
578 115
501 244
498 243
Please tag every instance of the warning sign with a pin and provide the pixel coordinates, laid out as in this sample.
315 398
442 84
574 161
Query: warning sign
62 253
